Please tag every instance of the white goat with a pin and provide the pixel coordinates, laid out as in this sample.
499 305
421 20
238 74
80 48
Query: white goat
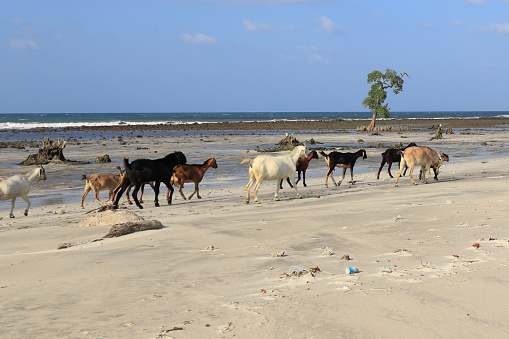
269 167
19 185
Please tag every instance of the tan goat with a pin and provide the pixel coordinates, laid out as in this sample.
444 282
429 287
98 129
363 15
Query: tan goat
101 182
420 156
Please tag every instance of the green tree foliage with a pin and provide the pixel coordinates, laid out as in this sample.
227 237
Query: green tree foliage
378 92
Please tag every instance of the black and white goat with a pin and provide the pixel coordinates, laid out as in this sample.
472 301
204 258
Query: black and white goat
343 160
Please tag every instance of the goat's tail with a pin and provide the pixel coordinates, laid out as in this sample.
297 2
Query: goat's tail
249 161
84 177
127 165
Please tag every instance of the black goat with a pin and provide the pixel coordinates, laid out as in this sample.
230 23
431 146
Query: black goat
392 155
302 166
143 170
343 160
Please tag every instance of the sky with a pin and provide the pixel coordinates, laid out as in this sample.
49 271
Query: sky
250 55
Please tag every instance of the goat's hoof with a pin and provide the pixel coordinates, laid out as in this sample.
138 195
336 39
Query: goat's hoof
276 199
140 207
26 214
199 197
247 202
396 185
299 196
11 215
156 204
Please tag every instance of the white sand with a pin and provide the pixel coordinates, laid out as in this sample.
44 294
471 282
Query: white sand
164 283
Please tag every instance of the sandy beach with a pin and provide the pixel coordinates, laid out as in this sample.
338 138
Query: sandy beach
221 268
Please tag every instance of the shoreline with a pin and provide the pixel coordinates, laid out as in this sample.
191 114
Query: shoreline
298 125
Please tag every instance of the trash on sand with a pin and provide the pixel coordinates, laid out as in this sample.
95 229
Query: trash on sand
278 254
345 257
295 270
351 270
386 269
327 252
398 217
476 245
210 248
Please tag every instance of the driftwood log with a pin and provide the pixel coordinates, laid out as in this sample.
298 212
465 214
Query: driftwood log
288 143
51 151
133 226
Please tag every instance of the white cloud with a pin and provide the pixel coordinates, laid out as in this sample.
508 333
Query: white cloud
500 28
327 25
198 39
255 26
23 44
317 59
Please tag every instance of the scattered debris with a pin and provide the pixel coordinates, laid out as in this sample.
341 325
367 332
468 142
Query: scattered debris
476 245
327 253
351 270
345 257
210 248
278 254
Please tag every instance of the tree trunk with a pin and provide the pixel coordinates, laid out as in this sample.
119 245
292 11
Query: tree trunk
372 124
52 150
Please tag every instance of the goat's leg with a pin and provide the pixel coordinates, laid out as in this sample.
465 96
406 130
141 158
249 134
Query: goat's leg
343 178
110 195
278 183
406 167
329 173
127 195
295 186
351 175
25 197
436 170
402 165
87 189
156 193
298 178
424 170
11 215
181 186
410 174
141 193
96 193
135 195
303 179
389 165
169 191
255 190
380 169
121 191
196 190
248 187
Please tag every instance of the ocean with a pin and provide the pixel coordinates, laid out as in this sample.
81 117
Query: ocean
21 126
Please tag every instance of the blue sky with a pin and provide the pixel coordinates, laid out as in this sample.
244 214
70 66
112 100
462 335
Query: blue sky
250 55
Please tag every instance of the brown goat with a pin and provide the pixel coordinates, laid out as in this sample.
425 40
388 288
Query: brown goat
191 173
101 182
302 165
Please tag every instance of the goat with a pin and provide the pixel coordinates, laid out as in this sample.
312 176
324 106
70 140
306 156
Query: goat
101 182
191 173
420 156
144 170
392 155
445 157
302 165
269 167
343 160
19 186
